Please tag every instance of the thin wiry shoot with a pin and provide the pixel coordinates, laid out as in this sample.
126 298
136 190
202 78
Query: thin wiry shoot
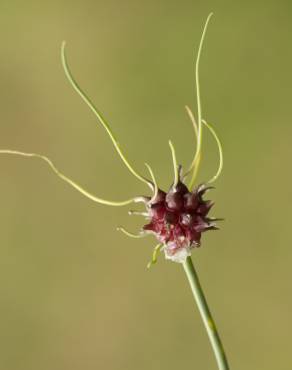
220 167
196 160
131 235
156 250
99 116
195 170
138 213
175 166
195 127
153 180
213 132
193 120
69 181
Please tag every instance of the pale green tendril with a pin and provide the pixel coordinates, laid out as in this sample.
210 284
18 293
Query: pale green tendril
71 182
220 167
195 127
99 116
193 120
175 166
218 142
156 250
138 213
196 161
153 180
131 235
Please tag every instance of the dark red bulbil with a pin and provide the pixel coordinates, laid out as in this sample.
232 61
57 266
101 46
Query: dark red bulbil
178 218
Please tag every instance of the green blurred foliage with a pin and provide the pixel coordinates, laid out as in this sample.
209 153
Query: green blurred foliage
75 294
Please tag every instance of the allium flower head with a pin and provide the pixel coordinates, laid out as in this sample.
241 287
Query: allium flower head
177 217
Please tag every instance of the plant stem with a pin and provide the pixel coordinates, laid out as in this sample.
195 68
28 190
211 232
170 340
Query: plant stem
206 314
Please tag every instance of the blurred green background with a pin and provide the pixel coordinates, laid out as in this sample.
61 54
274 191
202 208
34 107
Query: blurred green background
75 294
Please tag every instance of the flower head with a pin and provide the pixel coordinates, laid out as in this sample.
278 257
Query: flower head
178 217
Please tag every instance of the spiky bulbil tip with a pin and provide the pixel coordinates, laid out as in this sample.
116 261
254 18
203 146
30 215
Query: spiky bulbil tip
178 218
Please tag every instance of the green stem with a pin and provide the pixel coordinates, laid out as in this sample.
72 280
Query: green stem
206 314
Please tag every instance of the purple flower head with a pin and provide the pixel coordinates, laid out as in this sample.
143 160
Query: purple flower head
178 218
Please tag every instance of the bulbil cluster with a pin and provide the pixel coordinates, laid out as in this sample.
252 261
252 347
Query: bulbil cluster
178 218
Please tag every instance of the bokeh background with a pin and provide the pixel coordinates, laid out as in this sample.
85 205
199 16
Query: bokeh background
74 293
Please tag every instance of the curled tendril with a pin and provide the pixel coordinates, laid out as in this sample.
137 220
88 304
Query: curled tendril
156 250
218 142
193 120
176 168
99 116
220 167
71 182
196 161
138 213
131 235
193 169
155 191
